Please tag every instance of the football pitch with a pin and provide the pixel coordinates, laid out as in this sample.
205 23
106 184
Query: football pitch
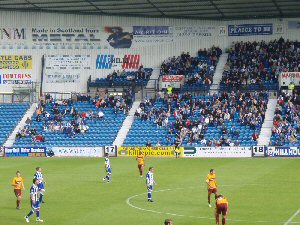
260 191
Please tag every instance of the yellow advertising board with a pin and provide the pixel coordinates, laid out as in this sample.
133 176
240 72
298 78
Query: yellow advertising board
15 62
168 151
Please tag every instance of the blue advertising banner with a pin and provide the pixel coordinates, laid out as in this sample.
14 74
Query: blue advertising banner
294 25
283 152
151 30
250 29
25 152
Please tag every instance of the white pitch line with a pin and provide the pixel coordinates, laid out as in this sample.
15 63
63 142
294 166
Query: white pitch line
292 217
202 217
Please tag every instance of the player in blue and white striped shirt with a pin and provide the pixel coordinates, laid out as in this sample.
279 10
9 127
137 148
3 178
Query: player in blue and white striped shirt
107 169
39 176
34 199
150 182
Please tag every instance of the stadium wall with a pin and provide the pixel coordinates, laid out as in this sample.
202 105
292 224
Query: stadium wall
151 54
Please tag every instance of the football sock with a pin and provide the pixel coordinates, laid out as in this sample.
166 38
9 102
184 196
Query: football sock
149 195
217 219
18 203
41 198
37 213
108 178
208 198
223 221
30 213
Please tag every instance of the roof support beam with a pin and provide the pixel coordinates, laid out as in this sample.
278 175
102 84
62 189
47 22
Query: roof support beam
92 4
216 7
277 7
34 5
154 6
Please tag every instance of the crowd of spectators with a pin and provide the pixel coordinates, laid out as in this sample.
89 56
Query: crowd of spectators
62 116
286 123
188 118
197 70
125 78
259 63
140 74
118 102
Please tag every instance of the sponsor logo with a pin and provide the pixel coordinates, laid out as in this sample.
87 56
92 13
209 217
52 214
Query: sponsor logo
222 152
172 78
16 78
78 151
105 61
151 30
149 151
65 35
250 29
283 152
190 151
12 34
290 75
25 151
15 62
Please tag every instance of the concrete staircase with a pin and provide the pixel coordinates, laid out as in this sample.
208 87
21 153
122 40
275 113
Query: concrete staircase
266 132
121 136
154 76
12 137
219 72
150 90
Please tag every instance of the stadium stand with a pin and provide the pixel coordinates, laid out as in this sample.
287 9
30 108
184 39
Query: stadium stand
286 123
198 71
123 78
87 122
233 119
10 115
257 65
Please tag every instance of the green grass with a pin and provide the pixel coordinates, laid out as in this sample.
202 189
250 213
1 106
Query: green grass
265 190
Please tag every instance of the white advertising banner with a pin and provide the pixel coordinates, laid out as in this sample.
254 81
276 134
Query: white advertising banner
68 62
65 36
190 32
78 151
285 78
12 77
218 152
104 37
67 71
174 80
62 76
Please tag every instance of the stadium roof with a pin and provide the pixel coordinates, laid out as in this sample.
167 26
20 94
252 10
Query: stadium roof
188 9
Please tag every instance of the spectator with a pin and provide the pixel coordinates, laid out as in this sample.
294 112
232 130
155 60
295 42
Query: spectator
158 143
28 121
254 136
38 138
148 144
101 115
